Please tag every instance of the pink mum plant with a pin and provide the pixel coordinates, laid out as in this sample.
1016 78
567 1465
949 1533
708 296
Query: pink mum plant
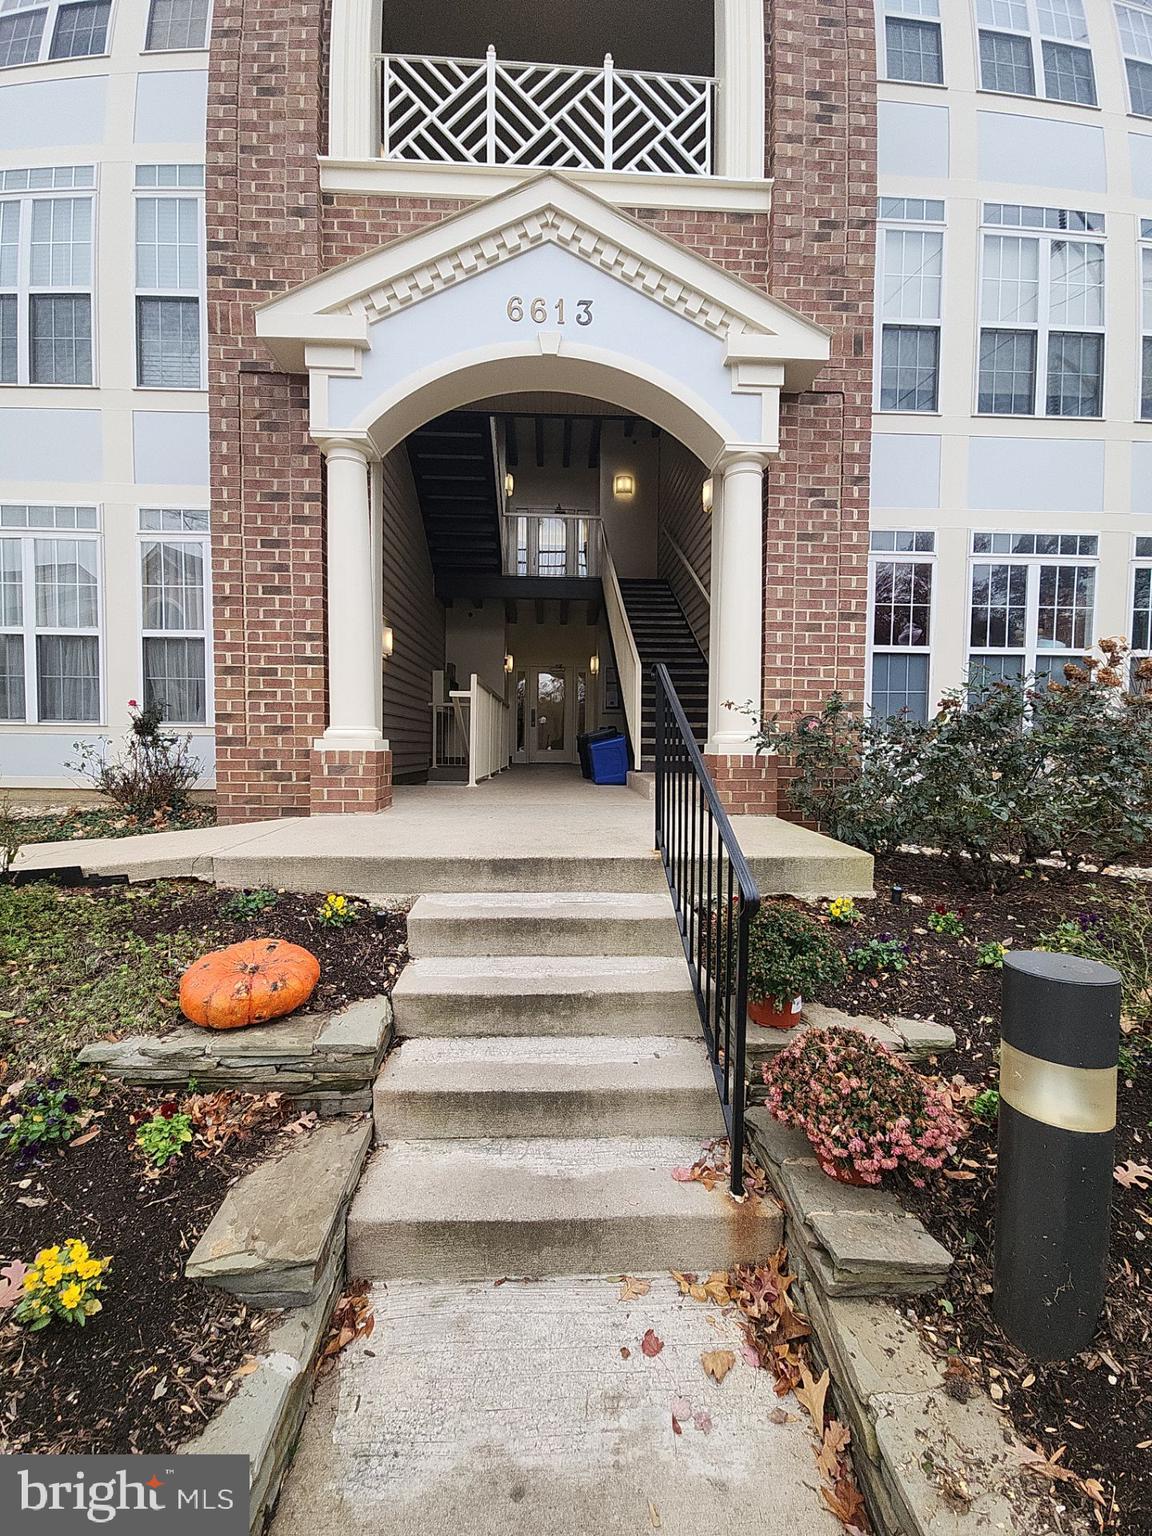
860 1105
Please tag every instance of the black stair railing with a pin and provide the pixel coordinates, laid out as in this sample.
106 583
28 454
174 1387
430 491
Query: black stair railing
715 898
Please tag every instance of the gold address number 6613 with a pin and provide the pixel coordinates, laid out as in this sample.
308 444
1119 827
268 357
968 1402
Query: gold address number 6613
540 311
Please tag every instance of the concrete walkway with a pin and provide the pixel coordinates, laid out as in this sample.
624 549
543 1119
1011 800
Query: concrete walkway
510 1410
543 829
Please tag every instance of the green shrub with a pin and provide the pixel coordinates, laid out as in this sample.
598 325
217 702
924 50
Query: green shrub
1117 932
991 955
249 904
154 775
790 955
941 920
42 1113
986 1106
164 1135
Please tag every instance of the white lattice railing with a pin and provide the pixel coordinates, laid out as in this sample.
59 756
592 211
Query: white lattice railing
492 111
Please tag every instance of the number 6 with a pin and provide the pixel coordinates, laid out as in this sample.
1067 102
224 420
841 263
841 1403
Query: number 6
539 311
516 309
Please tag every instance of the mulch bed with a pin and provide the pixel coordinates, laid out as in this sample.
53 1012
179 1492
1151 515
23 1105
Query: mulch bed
148 1371
361 959
1097 1406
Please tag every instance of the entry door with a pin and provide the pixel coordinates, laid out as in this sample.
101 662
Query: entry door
549 732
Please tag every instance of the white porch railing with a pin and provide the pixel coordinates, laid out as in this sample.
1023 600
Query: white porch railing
539 541
624 646
469 730
493 111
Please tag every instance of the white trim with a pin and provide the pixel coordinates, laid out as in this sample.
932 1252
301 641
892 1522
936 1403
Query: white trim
872 650
203 539
391 178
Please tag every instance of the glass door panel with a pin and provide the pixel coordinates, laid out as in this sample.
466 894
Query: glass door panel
551 710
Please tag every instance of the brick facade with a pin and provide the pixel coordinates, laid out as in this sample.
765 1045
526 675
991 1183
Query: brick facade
269 229
745 783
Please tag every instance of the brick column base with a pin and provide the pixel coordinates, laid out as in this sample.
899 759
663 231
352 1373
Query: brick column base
745 782
347 783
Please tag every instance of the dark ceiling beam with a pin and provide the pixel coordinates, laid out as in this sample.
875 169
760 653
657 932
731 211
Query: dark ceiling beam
594 445
630 426
511 451
567 442
539 442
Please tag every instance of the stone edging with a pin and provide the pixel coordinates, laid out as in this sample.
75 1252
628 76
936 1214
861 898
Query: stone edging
322 1061
278 1240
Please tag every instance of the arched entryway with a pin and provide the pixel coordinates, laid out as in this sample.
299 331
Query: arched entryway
544 290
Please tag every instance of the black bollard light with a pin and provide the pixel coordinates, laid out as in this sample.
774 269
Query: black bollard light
1058 1066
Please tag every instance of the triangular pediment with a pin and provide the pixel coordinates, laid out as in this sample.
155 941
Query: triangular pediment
342 305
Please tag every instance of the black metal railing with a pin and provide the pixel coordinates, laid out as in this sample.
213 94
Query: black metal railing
715 898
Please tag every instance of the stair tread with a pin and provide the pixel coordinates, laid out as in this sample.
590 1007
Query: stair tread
532 1179
536 975
504 904
548 1064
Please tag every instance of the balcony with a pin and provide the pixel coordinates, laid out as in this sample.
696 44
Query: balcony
497 113
557 544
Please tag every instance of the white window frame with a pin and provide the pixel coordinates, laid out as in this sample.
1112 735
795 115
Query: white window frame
902 557
1031 650
1139 562
31 631
925 11
1042 326
1144 255
918 226
202 539
171 189
1036 40
1141 7
53 9
203 48
25 289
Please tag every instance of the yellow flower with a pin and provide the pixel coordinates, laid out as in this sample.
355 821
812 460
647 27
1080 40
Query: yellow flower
91 1308
48 1255
53 1275
88 1269
70 1297
77 1250
31 1279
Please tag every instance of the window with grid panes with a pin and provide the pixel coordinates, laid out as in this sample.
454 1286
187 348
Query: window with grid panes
49 614
900 638
913 49
1134 21
1036 47
1140 630
168 258
46 239
910 262
1031 604
174 612
1041 320
32 30
177 24
1145 249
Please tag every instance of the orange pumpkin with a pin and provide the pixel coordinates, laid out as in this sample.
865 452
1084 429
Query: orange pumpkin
248 983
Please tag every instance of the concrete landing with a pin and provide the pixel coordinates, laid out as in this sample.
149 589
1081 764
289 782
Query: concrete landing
543 830
509 1411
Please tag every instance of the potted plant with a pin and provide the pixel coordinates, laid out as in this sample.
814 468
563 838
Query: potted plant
790 957
864 1110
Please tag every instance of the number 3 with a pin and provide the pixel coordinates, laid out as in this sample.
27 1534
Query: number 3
584 312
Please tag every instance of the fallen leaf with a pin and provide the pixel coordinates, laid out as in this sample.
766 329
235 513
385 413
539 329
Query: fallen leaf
778 1416
1133 1175
30 1200
810 1395
633 1288
676 1426
654 1516
625 1352
79 1141
703 1421
681 1408
717 1363
832 1447
651 1345
12 1284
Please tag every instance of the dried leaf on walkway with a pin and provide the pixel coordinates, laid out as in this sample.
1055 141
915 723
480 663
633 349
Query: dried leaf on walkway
654 1516
810 1394
717 1363
633 1288
651 1345
835 1442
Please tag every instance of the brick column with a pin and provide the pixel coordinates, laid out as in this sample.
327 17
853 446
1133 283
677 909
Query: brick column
344 783
745 782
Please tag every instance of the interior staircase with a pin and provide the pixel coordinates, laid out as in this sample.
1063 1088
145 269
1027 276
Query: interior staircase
454 470
662 633
550 1077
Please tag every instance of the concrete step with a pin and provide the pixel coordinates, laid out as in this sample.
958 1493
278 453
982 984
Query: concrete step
543 923
588 1086
557 995
448 1210
411 872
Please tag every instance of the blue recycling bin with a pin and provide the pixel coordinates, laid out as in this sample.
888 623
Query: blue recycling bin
609 759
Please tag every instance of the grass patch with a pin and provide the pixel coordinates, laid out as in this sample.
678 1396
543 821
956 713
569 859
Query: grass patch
75 969
100 821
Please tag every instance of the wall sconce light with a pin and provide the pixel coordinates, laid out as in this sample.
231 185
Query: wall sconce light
594 666
624 485
707 492
387 641
509 662
509 483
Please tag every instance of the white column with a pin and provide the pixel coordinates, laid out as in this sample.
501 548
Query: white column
354 619
737 633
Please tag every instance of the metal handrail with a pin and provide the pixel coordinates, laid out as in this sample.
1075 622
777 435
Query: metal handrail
715 899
